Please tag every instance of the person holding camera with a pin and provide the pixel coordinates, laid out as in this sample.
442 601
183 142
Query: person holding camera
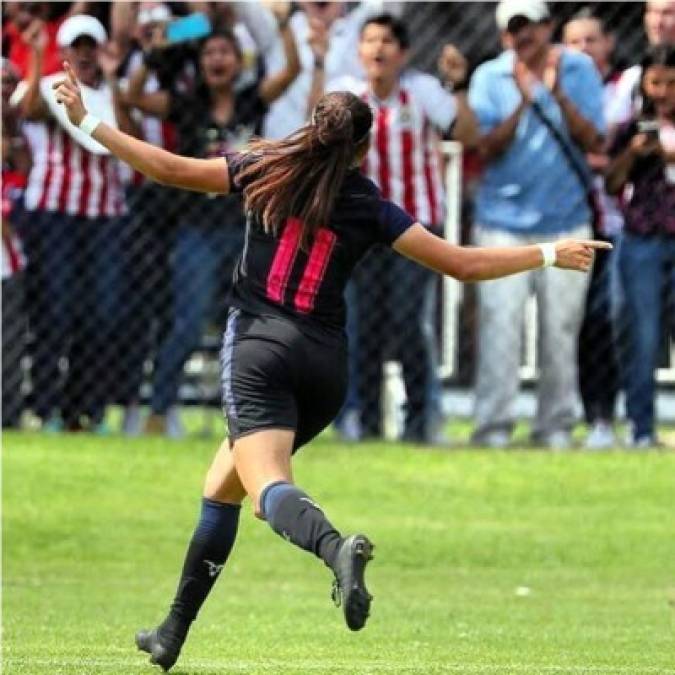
212 117
643 172
598 367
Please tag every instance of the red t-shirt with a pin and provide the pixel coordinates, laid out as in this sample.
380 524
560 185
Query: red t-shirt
20 52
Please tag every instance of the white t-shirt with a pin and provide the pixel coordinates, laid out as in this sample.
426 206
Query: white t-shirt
620 109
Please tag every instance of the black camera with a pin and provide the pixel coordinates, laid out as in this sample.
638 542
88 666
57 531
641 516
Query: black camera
649 127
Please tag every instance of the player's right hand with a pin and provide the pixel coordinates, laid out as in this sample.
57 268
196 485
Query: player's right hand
68 93
578 254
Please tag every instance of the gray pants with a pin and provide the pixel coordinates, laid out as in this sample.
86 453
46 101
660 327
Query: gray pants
560 298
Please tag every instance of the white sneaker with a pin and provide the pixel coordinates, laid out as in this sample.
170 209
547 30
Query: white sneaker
174 425
349 428
52 424
635 442
101 429
557 440
132 424
645 442
601 436
437 432
492 439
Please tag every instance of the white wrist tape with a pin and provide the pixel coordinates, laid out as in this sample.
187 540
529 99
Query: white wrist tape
89 123
548 253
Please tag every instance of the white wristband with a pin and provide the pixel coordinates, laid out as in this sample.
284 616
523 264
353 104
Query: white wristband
89 123
548 253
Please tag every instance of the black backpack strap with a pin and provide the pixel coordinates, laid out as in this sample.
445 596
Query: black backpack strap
572 160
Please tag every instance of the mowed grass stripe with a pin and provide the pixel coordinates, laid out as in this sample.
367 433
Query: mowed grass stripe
95 531
223 666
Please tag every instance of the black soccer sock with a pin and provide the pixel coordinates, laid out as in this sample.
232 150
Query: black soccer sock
294 516
207 553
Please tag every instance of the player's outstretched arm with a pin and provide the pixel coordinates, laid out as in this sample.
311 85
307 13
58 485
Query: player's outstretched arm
202 175
467 263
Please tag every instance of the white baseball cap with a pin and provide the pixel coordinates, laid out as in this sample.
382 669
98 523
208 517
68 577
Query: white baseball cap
534 10
80 24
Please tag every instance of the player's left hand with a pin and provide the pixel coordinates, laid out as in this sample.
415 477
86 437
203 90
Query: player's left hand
578 254
68 93
452 65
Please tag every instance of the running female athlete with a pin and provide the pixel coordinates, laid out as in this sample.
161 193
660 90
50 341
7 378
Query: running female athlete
311 216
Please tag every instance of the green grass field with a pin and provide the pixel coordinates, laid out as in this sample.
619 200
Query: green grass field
485 562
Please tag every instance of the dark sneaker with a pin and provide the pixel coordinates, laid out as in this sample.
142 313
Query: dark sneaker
162 653
349 587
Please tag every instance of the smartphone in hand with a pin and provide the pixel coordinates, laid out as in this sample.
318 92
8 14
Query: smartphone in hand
190 27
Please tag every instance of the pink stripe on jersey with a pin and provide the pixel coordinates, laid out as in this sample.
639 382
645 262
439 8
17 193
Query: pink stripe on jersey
42 202
169 136
86 183
407 161
382 144
102 208
65 184
315 270
428 175
284 257
16 262
365 168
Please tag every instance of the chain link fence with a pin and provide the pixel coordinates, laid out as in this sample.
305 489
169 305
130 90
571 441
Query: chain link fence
123 304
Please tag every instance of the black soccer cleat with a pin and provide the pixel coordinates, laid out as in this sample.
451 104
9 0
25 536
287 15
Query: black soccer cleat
162 653
349 587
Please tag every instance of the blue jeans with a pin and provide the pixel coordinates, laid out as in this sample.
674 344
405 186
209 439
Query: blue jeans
396 305
598 368
147 242
73 288
646 267
203 258
352 400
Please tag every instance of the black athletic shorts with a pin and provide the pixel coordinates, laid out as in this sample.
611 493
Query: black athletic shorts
274 376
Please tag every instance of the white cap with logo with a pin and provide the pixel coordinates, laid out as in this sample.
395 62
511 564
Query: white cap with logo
534 10
80 24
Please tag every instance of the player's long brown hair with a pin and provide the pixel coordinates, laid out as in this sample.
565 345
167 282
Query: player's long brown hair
301 175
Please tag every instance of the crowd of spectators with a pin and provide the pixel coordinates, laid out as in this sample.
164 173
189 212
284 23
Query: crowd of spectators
105 272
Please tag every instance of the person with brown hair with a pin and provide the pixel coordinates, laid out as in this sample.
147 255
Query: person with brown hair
311 216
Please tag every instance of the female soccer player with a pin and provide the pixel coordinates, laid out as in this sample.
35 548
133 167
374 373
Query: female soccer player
311 216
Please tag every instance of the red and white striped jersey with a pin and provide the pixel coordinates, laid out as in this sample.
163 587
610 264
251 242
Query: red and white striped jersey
66 178
13 259
403 159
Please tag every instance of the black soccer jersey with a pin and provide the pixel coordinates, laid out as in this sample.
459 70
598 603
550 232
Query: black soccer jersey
276 277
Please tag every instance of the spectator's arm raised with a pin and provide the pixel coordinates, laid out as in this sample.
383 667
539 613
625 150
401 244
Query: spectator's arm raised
581 129
201 175
453 68
156 103
109 60
318 40
32 104
499 137
275 85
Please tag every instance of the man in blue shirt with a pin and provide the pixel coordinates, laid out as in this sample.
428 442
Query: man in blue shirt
539 107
